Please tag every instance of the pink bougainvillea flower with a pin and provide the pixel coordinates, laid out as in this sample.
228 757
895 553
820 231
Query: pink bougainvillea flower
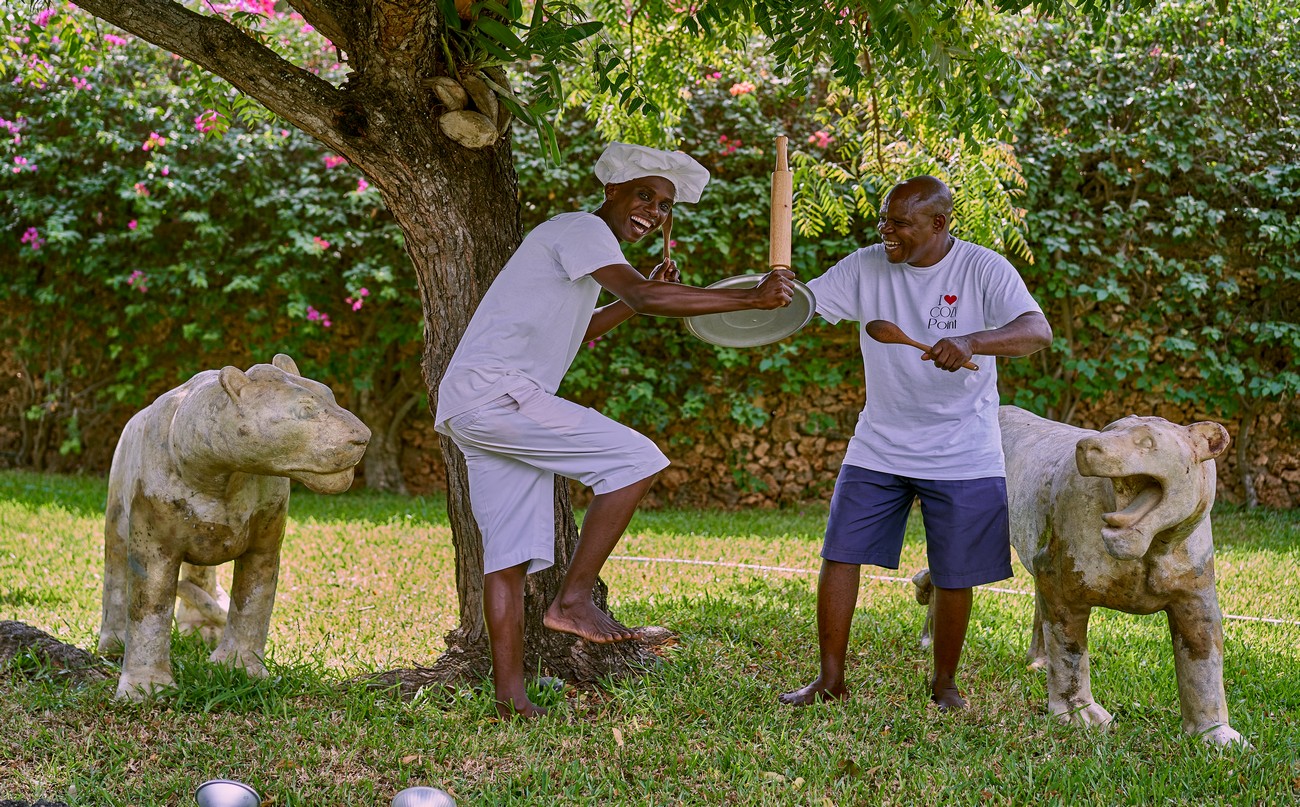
729 146
154 141
79 83
114 40
742 88
312 314
334 161
206 120
165 170
362 185
321 243
141 189
131 225
265 8
23 164
820 138
42 19
32 237
137 281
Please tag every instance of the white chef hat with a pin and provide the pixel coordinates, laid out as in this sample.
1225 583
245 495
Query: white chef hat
621 162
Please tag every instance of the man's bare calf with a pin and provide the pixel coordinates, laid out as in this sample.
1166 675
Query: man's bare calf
573 610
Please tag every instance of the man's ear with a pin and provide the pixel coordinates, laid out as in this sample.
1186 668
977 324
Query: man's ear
940 222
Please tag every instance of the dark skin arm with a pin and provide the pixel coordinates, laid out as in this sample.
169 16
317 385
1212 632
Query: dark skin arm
605 318
641 295
1027 333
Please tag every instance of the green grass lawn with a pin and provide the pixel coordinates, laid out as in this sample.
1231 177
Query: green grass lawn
367 584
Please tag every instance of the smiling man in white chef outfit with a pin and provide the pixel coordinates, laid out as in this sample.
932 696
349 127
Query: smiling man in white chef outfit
498 399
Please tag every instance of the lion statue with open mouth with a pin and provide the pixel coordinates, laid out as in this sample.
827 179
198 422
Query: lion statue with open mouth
1119 519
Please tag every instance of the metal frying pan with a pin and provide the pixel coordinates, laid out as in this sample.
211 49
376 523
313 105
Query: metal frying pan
754 327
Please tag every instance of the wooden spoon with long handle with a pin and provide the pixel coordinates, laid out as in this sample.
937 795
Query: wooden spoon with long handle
882 330
668 231
674 275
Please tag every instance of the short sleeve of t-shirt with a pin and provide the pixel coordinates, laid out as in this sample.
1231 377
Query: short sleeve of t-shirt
583 243
836 291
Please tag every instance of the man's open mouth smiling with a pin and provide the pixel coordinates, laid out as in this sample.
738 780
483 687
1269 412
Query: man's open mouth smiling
641 225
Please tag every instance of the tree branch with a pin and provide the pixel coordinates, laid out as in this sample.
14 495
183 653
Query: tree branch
334 19
289 91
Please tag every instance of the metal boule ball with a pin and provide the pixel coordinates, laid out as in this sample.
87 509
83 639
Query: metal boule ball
423 797
226 793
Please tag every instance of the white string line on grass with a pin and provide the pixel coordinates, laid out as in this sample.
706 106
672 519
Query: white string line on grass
794 570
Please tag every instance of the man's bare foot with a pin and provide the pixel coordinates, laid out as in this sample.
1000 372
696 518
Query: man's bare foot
528 711
587 621
948 699
816 692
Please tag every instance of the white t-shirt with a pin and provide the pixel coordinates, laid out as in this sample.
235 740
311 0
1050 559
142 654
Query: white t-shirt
530 324
920 421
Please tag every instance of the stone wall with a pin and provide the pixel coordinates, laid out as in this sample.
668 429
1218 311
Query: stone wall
796 455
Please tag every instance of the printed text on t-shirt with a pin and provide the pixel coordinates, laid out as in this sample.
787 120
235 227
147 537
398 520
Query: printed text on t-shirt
943 315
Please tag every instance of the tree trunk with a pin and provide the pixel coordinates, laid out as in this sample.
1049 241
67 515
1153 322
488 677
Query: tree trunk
1245 469
384 412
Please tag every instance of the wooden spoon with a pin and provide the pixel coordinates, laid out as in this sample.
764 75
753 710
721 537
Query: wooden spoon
882 330
668 230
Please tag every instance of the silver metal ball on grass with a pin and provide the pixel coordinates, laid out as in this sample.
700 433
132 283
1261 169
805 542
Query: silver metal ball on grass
226 793
423 797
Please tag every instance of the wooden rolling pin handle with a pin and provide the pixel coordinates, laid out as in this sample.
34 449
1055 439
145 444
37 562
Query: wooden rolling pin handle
782 213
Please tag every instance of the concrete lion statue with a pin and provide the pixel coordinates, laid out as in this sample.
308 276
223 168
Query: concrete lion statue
1119 519
201 477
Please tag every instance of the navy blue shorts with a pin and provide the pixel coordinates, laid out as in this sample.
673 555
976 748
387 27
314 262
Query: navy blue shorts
967 537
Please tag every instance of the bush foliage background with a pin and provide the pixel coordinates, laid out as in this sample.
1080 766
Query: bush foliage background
1147 197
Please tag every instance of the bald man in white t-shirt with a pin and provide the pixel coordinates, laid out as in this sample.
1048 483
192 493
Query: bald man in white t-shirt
928 429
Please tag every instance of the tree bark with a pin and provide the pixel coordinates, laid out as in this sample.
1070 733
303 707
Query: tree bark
1245 468
384 407
459 211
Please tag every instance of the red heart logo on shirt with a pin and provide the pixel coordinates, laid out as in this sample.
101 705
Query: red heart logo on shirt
950 298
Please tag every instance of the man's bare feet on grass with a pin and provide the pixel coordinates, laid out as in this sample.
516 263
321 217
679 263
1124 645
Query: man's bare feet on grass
587 621
816 692
507 709
948 699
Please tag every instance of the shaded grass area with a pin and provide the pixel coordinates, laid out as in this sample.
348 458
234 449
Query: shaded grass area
367 583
